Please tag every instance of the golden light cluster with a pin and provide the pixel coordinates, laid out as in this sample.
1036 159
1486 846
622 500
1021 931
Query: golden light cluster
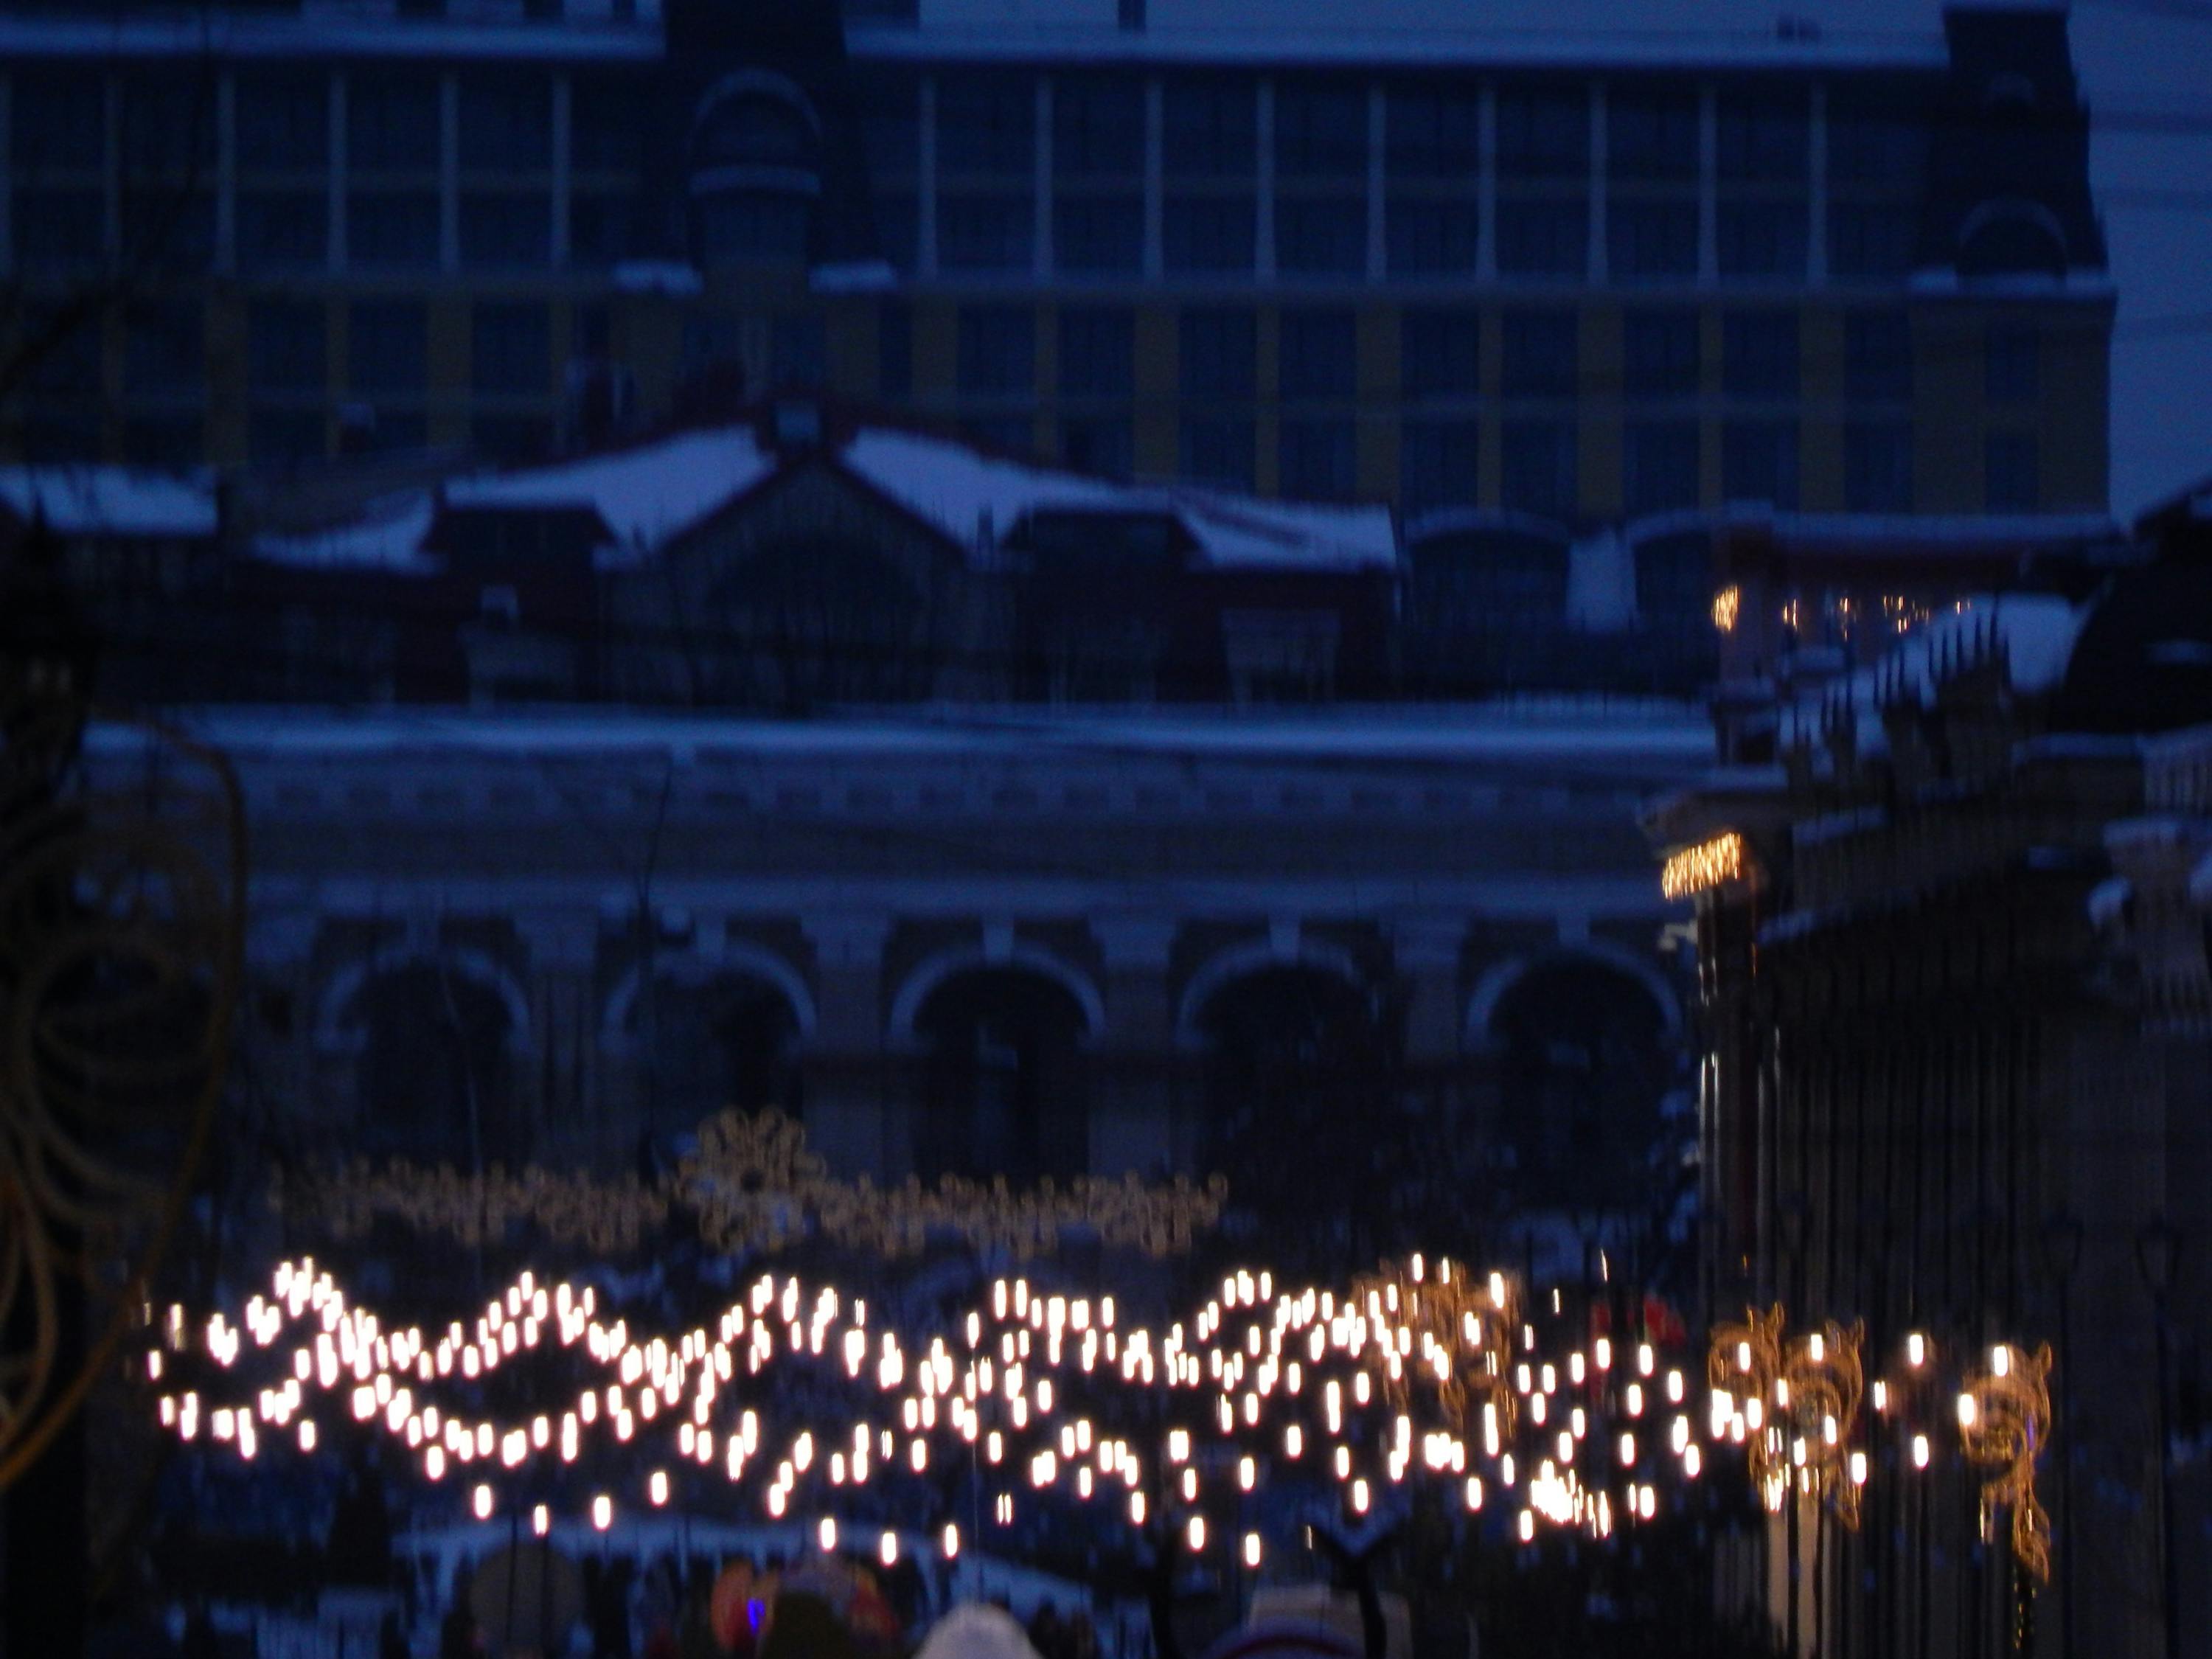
1797 1406
1699 869
2004 1420
1424 1375
754 1186
1356 1388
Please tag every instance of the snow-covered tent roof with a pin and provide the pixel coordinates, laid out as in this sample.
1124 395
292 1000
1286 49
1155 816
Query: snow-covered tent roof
650 494
975 500
645 496
109 501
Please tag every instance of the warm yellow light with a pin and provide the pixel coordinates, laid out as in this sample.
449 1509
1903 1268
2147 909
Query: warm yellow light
1703 867
1727 604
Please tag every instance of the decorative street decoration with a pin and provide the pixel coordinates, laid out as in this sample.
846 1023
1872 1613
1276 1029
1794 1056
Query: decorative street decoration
1420 1375
2004 1419
754 1186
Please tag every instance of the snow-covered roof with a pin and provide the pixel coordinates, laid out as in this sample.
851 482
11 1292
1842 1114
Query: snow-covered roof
2034 632
651 492
975 500
109 501
645 495
386 536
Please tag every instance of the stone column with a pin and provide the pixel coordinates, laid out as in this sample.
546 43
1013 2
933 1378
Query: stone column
851 1118
1132 1107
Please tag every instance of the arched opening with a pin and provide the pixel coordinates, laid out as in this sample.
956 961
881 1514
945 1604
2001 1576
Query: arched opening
1003 1084
1584 1059
2011 239
434 1080
708 1042
755 173
1297 1088
816 619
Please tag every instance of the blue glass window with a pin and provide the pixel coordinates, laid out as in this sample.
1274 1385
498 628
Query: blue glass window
1098 127
1436 463
1537 355
1321 238
1543 133
1318 354
1206 235
511 347
1758 462
1660 353
1317 460
1646 240
1218 450
1878 467
986 123
1762 239
1878 355
2010 475
387 346
1218 347
998 351
1211 127
1659 465
1097 352
391 122
1429 238
282 121
1321 131
1651 135
1098 235
1440 353
1543 238
1537 467
1432 133
1760 355
986 233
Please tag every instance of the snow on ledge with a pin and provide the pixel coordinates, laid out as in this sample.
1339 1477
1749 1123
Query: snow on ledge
96 500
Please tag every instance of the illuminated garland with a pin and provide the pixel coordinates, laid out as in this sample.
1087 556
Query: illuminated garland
1795 1408
754 1186
1700 868
1413 1377
2004 1418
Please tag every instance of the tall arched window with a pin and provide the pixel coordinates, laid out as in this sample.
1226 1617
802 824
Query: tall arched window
1003 1086
434 1076
754 172
1584 1062
1298 1088
2012 237
712 1042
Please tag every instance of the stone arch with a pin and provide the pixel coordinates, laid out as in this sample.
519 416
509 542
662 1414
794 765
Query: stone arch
1002 1078
2012 236
934 969
1582 1044
433 1038
731 958
755 170
339 995
1239 961
1497 980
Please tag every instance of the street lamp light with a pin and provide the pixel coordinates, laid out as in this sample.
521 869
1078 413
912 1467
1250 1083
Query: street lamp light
2158 1257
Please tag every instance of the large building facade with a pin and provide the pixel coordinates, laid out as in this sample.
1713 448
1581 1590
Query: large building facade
1503 276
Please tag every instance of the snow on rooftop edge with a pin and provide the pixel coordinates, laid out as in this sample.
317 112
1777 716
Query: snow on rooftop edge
644 495
109 501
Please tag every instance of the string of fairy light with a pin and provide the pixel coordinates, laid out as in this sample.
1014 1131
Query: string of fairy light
1423 1374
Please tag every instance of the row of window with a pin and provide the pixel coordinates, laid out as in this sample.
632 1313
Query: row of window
1316 357
1324 128
986 123
1213 233
283 122
286 228
1440 354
